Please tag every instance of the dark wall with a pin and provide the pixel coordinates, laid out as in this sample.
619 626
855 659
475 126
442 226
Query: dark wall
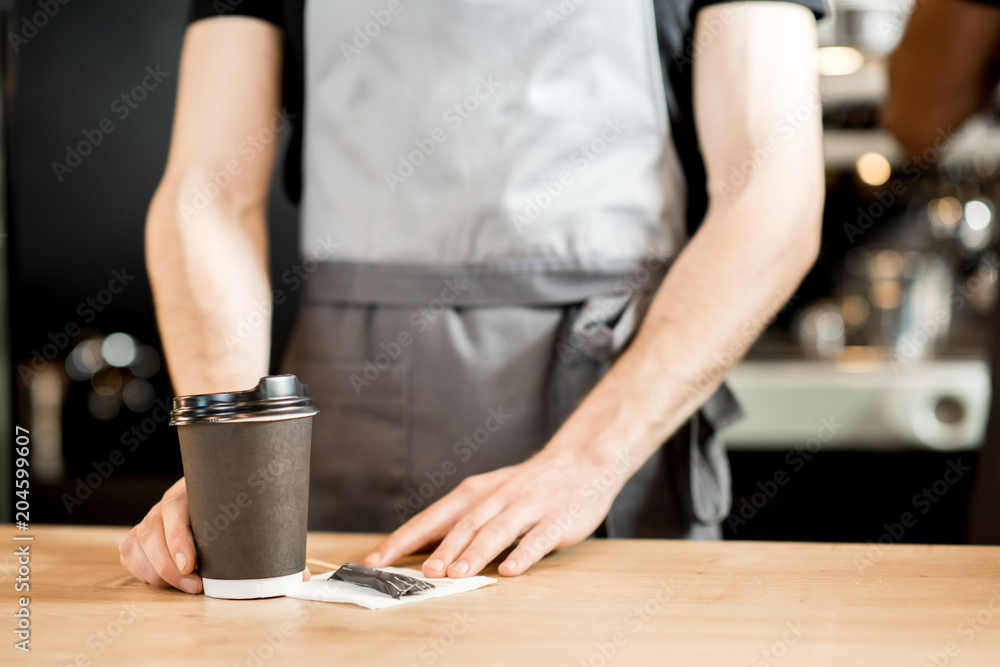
84 162
70 230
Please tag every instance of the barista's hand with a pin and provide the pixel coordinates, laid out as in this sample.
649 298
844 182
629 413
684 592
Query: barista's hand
160 550
549 502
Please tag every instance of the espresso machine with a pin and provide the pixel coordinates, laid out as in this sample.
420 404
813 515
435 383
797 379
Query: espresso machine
876 374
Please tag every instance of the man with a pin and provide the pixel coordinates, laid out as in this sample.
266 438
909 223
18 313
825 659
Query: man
945 69
493 193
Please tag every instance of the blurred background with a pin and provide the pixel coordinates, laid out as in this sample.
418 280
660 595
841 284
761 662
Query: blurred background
88 105
866 398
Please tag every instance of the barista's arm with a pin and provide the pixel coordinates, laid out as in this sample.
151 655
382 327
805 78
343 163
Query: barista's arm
206 248
755 90
944 70
206 233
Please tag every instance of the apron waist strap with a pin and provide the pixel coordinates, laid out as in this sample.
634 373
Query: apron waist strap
523 283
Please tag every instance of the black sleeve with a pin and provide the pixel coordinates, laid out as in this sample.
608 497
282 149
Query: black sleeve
818 7
268 10
288 16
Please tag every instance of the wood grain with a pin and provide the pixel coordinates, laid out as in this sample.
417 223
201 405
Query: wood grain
642 602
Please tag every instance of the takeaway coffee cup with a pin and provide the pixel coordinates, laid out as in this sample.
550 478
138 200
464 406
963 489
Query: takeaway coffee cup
246 462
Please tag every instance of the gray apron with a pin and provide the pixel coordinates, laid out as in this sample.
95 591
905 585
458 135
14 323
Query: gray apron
491 198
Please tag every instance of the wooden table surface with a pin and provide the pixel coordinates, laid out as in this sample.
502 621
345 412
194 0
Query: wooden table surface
624 602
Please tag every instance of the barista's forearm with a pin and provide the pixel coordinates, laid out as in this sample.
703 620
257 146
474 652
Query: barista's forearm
726 285
760 236
208 269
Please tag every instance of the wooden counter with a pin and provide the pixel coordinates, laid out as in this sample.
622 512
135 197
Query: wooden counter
599 603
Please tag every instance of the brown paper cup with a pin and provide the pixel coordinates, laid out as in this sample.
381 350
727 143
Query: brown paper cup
246 465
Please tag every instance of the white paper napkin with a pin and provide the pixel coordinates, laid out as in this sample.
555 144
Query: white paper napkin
323 589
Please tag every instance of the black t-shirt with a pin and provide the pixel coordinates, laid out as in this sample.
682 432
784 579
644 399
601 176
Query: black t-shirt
674 21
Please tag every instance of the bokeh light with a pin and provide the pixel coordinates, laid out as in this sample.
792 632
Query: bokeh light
873 168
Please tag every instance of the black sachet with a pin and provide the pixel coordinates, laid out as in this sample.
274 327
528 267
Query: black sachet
396 585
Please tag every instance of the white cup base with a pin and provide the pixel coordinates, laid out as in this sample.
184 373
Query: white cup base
246 589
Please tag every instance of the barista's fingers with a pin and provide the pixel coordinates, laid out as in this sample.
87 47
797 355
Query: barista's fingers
430 525
460 537
499 533
134 560
437 520
154 544
177 528
540 540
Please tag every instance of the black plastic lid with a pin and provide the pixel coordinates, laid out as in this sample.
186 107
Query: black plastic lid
274 397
